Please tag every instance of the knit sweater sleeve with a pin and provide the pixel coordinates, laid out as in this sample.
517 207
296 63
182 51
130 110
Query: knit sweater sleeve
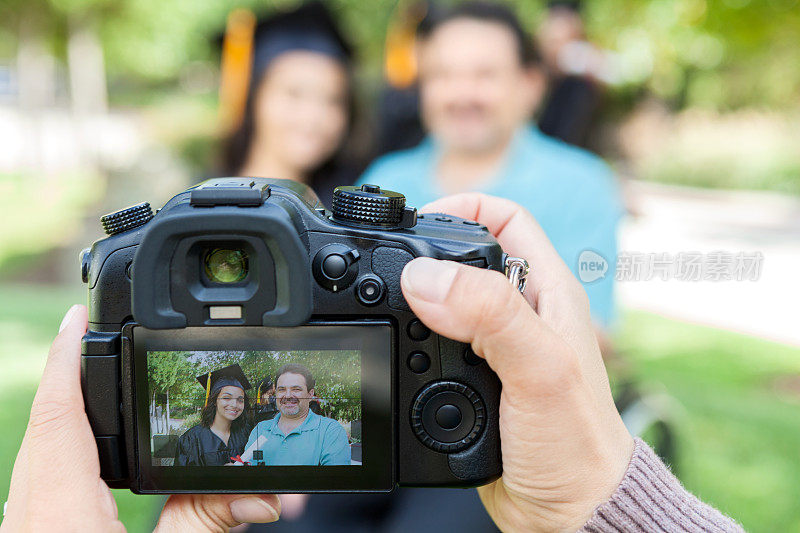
651 499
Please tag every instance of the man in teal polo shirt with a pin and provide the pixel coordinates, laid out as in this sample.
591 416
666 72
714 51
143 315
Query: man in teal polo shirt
480 81
297 436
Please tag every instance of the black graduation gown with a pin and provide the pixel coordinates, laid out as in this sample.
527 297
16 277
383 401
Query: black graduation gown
199 446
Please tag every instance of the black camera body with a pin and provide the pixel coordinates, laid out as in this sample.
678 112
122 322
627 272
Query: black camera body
306 278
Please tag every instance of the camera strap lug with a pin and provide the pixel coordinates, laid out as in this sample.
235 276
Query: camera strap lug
516 269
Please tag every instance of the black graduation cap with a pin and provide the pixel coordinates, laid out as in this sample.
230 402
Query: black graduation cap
229 376
309 27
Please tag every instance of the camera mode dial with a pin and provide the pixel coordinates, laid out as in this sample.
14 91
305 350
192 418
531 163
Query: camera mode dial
127 219
369 205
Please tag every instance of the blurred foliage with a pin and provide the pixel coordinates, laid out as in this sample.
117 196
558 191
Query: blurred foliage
735 150
51 219
716 53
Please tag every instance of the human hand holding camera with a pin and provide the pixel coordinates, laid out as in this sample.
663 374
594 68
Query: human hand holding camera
565 448
56 485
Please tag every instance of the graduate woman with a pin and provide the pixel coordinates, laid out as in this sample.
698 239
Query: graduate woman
223 429
286 98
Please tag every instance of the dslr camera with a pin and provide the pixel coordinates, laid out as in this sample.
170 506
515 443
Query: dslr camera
242 293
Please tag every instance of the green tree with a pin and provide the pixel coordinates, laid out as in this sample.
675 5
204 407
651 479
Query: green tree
166 376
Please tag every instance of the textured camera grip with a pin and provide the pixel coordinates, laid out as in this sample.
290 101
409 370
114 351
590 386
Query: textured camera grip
388 263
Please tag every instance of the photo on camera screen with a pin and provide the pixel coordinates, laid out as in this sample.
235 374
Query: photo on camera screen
255 408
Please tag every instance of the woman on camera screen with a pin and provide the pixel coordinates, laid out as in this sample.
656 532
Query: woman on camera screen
223 429
296 114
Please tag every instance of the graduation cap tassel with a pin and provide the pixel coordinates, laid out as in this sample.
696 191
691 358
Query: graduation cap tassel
400 65
258 394
237 50
208 389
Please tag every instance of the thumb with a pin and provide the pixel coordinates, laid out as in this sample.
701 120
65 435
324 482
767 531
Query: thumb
216 512
481 307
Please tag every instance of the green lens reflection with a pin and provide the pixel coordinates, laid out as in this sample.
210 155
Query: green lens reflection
226 265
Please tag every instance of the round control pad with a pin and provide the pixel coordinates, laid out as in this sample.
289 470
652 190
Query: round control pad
448 416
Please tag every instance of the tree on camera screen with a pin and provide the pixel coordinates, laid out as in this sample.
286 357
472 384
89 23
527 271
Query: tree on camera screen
254 408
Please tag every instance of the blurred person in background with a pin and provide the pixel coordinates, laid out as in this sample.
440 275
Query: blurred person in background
398 124
287 95
480 82
266 408
575 69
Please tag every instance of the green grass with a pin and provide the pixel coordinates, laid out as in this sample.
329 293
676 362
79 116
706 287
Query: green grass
738 430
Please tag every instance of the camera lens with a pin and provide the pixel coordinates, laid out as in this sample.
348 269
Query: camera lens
224 265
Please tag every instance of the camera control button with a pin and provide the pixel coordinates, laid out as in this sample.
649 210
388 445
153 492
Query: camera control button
369 205
370 290
127 219
443 219
448 416
419 362
418 331
471 358
370 188
334 266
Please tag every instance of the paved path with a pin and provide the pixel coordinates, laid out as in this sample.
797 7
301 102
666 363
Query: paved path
671 220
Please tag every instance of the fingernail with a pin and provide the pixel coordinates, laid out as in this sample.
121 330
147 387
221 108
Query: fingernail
252 510
429 279
67 318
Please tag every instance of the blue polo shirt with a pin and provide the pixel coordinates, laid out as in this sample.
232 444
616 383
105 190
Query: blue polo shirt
572 193
319 440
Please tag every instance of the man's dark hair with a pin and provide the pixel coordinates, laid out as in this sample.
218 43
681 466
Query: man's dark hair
486 12
294 368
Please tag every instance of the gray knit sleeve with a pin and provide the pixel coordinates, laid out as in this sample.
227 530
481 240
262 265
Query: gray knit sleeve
651 499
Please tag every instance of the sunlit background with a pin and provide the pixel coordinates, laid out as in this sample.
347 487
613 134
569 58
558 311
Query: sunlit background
106 103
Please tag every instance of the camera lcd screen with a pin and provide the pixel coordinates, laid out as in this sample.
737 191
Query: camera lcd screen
225 409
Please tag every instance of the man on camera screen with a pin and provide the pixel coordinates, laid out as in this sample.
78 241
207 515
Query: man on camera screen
297 435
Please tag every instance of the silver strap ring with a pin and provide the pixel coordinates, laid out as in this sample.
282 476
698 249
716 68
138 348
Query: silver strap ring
516 269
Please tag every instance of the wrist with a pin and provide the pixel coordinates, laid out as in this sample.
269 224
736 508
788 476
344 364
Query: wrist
568 502
610 469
